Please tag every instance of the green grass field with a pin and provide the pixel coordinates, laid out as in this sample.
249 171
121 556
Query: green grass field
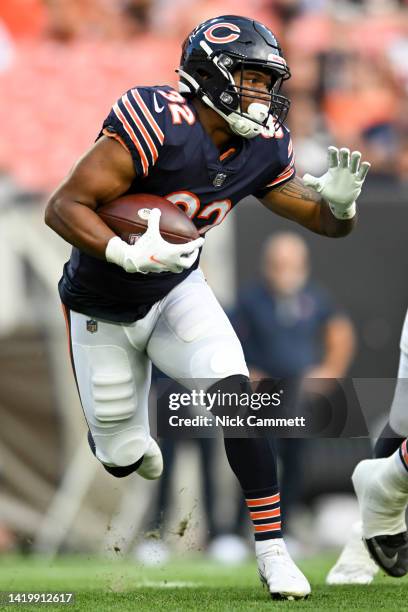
190 584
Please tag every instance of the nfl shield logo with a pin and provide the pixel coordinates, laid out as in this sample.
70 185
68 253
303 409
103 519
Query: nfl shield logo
219 179
92 326
133 238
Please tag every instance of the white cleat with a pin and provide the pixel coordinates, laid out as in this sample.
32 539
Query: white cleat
382 507
354 565
382 494
152 464
279 573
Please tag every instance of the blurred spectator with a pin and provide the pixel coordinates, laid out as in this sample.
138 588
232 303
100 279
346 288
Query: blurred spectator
311 136
136 16
285 10
362 107
6 48
179 17
69 20
290 328
24 19
348 61
289 325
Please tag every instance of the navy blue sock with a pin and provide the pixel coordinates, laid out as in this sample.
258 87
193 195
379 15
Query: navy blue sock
253 461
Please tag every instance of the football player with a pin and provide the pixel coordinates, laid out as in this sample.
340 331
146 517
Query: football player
354 565
381 486
218 139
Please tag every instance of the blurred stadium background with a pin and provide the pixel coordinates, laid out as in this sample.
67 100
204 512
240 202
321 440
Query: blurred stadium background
62 64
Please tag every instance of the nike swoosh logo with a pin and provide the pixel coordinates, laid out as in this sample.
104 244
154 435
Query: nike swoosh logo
153 258
387 562
157 108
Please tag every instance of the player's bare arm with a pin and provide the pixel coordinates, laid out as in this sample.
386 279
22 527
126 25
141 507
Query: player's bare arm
296 201
324 205
104 173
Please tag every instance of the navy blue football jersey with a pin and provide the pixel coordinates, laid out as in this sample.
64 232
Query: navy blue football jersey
175 158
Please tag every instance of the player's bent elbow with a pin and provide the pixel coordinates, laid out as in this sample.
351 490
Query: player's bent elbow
49 214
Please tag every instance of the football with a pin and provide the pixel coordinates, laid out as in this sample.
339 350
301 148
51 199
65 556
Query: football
127 216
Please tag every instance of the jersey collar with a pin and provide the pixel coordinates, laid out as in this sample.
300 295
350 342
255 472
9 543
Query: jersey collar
231 164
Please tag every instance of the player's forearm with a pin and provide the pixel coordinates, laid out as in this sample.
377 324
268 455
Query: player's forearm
79 225
330 226
296 201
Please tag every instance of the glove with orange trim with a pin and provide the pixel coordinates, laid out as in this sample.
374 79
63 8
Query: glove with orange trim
151 253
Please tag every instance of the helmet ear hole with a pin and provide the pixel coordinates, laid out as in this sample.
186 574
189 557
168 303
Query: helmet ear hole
204 74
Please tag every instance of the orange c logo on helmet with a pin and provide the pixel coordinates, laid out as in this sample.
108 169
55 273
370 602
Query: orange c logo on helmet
222 39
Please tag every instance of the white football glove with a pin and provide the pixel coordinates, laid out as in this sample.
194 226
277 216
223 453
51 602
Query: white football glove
342 183
151 253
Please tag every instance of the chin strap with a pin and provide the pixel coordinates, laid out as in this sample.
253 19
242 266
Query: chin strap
247 125
243 125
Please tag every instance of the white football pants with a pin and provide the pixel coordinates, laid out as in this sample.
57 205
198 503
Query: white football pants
187 335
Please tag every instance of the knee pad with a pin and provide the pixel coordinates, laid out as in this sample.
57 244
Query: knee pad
219 357
113 389
122 448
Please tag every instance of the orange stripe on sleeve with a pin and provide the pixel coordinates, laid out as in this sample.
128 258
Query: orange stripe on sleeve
115 136
133 137
281 178
145 133
148 115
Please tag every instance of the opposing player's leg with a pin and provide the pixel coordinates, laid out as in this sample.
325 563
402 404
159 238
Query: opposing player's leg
381 486
354 566
113 379
396 429
194 340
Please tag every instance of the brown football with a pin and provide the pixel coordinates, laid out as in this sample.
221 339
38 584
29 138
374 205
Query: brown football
127 217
